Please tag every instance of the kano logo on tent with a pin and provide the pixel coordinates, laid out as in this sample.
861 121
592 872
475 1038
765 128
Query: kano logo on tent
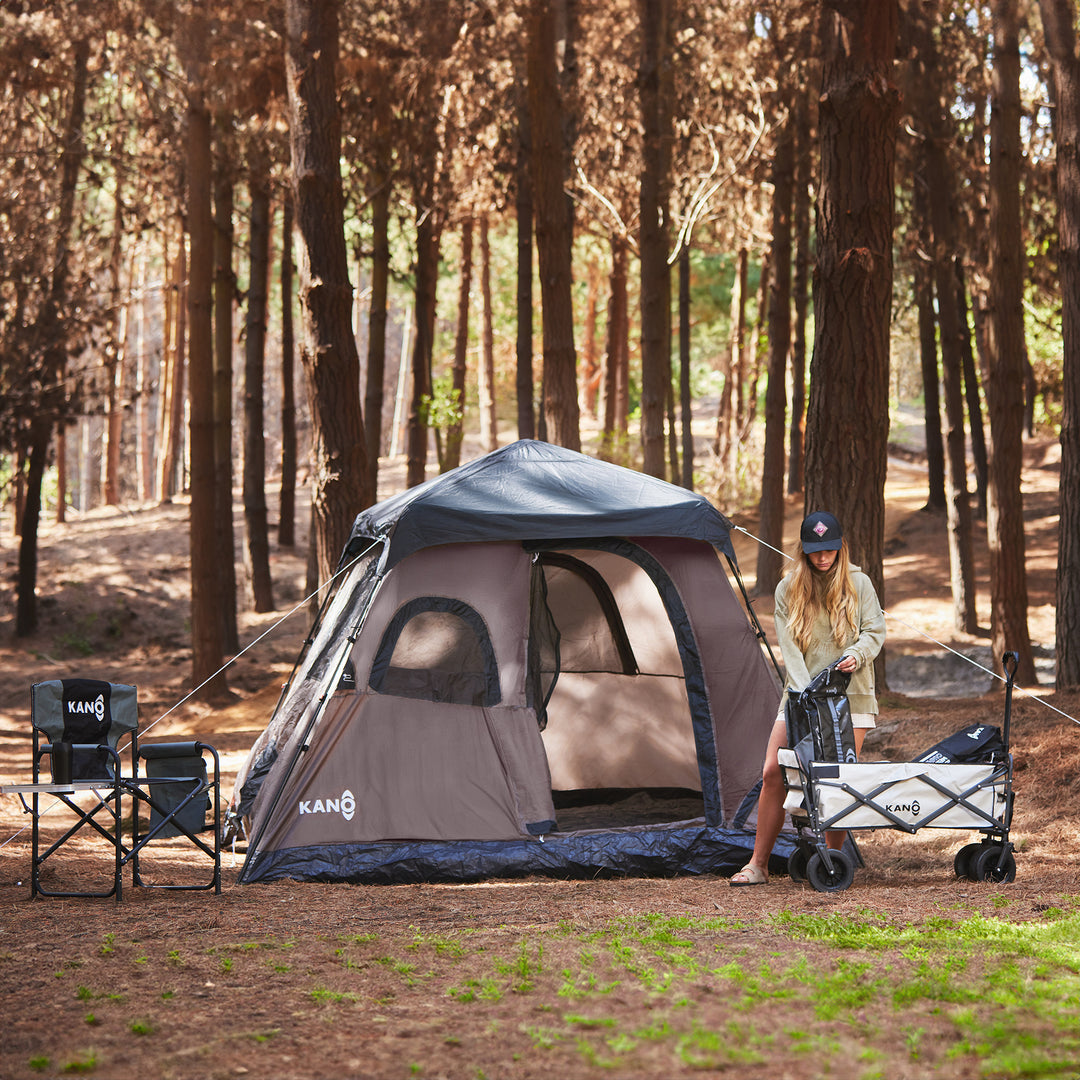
345 806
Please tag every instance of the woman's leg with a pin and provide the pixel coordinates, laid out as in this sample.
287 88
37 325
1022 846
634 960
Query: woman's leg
835 838
770 808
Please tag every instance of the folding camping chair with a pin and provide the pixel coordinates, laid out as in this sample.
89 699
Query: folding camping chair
79 724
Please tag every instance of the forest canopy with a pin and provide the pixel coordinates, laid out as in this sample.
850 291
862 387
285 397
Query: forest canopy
271 246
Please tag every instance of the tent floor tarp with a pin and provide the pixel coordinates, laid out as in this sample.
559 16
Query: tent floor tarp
684 847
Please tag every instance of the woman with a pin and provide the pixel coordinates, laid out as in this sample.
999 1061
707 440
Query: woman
826 610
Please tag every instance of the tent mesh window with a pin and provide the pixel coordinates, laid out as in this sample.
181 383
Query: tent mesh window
591 632
437 649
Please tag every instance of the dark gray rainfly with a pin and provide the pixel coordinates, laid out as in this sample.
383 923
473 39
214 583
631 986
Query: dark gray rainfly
534 489
534 664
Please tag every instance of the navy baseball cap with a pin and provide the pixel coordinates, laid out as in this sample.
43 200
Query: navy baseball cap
820 532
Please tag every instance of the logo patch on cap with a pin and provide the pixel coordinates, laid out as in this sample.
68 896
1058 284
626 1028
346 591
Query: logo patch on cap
821 528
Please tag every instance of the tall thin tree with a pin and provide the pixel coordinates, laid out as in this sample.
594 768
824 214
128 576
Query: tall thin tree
653 75
933 110
489 420
1059 27
287 495
455 429
380 193
1005 349
848 414
523 215
255 513
224 299
340 473
54 361
771 524
551 223
207 629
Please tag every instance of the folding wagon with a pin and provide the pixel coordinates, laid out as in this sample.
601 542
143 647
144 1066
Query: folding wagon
964 782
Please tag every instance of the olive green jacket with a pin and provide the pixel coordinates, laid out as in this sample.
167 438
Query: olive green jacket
823 650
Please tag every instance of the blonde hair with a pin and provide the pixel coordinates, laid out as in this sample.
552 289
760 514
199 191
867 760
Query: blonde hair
810 592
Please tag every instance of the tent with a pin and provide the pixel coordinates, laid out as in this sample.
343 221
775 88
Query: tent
533 664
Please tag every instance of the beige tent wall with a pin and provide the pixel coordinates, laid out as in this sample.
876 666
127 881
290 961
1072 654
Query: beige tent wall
617 731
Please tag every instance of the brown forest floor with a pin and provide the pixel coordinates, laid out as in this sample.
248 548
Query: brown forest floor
309 980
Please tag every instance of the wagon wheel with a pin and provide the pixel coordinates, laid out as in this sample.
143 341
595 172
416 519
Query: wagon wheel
985 865
965 860
824 880
797 860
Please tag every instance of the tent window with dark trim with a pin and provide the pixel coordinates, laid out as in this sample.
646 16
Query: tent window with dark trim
437 649
592 637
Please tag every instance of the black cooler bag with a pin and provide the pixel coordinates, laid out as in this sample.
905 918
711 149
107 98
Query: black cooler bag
818 719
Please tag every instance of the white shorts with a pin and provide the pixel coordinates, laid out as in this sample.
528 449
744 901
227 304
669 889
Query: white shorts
858 719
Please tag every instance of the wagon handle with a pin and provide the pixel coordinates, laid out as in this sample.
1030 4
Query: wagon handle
1010 661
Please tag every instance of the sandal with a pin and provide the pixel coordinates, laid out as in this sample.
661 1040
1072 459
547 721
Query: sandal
749 875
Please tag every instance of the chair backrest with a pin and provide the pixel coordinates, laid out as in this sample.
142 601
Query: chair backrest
85 711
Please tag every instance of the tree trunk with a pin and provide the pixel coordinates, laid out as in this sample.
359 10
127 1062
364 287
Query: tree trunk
848 412
489 421
552 226
655 17
170 355
255 513
207 630
958 505
427 276
732 365
686 404
971 389
340 487
750 367
928 357
116 330
51 405
616 350
770 560
1005 341
115 366
800 297
1058 17
935 449
455 428
143 380
523 204
380 281
180 433
61 473
940 181
224 297
591 371
87 472
287 495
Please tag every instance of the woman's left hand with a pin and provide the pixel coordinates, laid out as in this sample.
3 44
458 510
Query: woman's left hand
847 663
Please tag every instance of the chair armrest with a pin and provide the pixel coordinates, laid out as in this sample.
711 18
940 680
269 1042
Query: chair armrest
171 749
